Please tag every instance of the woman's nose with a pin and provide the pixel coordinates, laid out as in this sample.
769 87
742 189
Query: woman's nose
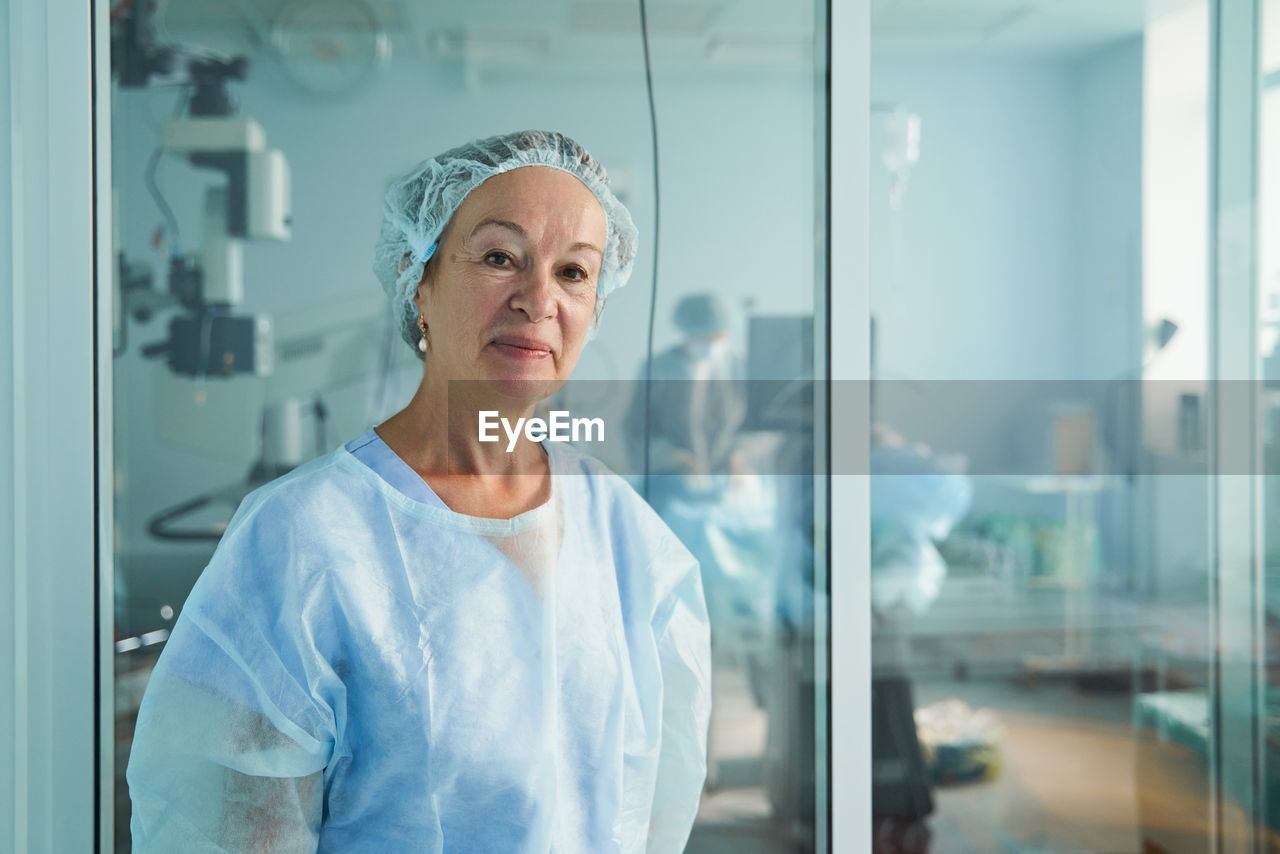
536 296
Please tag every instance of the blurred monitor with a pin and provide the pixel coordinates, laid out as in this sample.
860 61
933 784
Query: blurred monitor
779 372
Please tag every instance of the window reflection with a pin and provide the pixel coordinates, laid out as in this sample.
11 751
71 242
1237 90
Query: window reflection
1268 135
1042 652
730 462
239 357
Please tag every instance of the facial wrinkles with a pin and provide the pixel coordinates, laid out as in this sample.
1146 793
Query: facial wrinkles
546 239
498 254
563 243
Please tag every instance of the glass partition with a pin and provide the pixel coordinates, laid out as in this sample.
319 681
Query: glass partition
246 347
1046 601
1260 116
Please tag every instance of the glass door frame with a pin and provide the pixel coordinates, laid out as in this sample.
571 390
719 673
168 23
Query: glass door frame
844 807
71 347
1238 677
106 301
848 423
56 644
1237 577
1237 588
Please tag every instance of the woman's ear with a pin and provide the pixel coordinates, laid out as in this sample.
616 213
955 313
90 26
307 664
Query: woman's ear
424 284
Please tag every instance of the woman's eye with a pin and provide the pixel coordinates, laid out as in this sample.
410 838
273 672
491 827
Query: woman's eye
499 259
577 274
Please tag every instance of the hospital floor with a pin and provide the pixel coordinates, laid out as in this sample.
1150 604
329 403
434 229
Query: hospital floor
1077 778
735 817
1068 778
1067 783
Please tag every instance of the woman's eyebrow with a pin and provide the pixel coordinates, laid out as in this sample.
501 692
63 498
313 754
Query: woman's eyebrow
591 246
518 229
501 223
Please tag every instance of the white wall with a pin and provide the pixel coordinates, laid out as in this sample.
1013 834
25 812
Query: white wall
1106 97
1105 101
1015 255
1176 178
973 281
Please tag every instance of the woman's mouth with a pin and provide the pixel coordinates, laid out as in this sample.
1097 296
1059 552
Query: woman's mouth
524 349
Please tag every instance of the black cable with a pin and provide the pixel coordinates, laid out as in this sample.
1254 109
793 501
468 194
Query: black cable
653 298
159 526
119 349
171 221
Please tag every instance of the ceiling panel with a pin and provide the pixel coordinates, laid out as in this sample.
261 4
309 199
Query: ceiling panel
714 29
1051 28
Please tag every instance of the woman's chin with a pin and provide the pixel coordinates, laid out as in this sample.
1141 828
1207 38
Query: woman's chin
523 388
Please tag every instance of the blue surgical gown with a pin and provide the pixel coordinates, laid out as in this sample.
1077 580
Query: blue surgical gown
360 668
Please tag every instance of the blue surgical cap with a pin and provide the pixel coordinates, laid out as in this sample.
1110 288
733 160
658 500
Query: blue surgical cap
420 205
701 314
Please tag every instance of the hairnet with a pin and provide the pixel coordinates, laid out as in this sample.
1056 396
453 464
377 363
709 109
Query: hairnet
701 314
420 204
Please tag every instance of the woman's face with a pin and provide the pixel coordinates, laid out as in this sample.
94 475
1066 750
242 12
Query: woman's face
509 295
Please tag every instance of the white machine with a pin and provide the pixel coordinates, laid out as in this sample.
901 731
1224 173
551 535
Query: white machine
212 340
254 204
209 339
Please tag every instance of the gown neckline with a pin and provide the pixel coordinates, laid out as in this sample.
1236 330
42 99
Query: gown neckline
395 478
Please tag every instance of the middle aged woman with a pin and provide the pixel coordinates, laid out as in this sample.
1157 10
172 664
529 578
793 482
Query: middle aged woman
424 642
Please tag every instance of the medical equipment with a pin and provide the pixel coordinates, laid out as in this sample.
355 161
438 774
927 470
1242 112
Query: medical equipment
316 392
209 338
290 361
780 395
900 149
330 47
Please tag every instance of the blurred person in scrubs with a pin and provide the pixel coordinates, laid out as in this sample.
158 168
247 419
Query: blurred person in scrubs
703 488
696 407
425 642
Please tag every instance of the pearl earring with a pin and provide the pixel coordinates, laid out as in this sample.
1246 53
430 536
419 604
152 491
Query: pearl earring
422 342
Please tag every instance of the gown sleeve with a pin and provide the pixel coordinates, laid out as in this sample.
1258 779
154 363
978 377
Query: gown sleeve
239 719
683 635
